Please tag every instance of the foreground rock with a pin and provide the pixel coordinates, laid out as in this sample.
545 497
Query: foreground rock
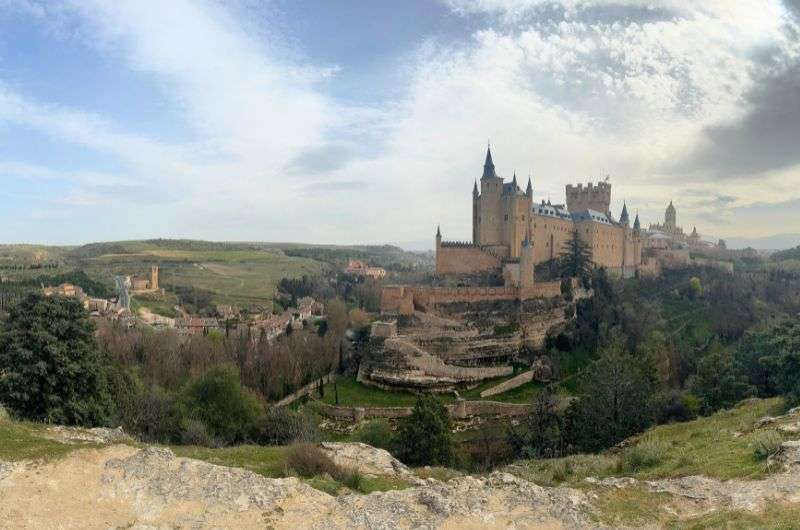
122 486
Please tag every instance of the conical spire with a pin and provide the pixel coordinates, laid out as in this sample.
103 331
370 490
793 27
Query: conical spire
488 166
636 224
529 189
475 189
438 232
514 180
623 218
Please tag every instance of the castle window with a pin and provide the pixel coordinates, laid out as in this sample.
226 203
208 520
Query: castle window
506 217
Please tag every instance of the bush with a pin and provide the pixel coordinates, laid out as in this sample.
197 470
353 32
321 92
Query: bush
282 426
648 452
195 433
230 412
50 366
376 433
767 444
676 406
308 460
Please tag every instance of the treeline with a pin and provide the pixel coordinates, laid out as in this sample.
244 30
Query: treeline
159 386
13 291
361 292
662 350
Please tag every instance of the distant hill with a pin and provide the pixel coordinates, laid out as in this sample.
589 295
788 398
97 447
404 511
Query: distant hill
774 242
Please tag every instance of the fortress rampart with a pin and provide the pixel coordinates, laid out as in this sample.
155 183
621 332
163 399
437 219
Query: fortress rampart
405 299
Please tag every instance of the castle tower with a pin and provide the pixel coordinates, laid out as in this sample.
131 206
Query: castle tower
154 277
526 262
624 220
591 197
490 216
438 246
488 165
475 202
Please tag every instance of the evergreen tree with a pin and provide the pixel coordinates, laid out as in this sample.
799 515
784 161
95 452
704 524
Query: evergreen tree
616 402
542 435
717 383
50 366
576 259
424 438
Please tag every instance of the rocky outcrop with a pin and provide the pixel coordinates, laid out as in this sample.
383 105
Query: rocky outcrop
125 487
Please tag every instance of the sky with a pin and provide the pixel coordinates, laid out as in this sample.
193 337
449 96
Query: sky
367 121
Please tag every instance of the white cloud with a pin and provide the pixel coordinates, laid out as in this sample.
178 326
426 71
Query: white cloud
567 96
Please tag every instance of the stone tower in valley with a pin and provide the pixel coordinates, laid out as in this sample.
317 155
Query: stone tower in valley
154 277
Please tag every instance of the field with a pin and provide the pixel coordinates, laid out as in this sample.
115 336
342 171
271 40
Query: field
239 274
242 274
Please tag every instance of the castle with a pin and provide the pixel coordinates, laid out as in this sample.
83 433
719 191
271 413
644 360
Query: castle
511 233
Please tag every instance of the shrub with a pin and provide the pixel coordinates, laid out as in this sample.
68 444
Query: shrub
376 433
230 412
308 460
767 444
195 433
282 426
50 366
502 330
648 452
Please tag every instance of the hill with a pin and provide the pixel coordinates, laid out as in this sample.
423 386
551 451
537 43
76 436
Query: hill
237 273
739 468
774 242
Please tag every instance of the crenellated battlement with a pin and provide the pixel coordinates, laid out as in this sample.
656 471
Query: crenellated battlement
590 197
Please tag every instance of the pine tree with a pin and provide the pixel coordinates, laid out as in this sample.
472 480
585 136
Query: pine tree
576 259
424 438
50 366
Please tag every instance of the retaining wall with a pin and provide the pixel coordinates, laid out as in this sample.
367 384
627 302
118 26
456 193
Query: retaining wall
458 410
305 390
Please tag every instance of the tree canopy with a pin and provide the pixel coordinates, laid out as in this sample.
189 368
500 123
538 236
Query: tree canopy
50 366
424 438
575 261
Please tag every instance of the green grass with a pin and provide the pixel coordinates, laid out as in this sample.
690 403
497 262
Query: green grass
706 446
775 517
271 462
25 441
267 461
157 303
354 394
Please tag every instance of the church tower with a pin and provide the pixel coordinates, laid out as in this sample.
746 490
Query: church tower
670 218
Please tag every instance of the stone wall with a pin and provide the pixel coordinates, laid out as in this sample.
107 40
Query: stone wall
404 299
459 410
464 259
306 390
397 299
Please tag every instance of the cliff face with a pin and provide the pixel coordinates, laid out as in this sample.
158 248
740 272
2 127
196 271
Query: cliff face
126 487
107 484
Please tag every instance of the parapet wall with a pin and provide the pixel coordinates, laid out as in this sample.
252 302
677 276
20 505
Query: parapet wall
464 259
458 410
404 299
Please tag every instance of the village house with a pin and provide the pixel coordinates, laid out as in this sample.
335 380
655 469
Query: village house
359 268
